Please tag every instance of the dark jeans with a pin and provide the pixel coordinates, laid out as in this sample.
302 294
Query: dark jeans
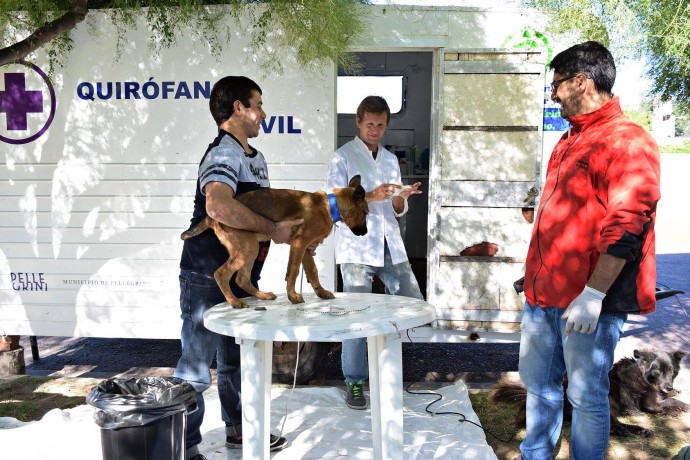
198 293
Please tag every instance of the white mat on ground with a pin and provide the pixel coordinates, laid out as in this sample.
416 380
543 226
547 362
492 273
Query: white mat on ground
318 426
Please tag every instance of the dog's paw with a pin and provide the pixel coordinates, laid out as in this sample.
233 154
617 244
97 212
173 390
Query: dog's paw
238 303
675 411
624 430
324 294
265 295
296 298
645 433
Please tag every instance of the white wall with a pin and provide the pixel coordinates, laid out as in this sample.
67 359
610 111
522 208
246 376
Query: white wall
93 208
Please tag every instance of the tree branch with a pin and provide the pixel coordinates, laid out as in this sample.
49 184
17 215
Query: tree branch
75 14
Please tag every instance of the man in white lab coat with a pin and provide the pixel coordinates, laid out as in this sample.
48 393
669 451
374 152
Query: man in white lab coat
381 252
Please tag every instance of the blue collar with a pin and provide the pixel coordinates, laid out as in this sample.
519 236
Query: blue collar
335 213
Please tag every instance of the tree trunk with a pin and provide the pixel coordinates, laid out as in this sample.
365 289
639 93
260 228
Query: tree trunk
47 32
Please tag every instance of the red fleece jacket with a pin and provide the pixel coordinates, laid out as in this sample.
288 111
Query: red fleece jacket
600 196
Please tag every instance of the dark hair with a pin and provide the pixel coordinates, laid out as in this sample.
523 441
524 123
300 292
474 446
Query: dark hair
590 58
226 91
373 104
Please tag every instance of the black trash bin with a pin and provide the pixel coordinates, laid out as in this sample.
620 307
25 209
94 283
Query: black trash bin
142 418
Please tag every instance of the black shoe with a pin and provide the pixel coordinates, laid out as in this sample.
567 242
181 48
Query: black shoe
197 457
277 443
355 395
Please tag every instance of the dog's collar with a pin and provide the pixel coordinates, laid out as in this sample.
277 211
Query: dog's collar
333 205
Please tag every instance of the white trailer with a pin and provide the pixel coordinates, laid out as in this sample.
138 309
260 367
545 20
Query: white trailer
99 163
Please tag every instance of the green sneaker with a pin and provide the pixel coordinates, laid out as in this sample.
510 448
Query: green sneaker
355 395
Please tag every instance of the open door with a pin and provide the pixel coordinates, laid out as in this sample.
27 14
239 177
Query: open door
404 79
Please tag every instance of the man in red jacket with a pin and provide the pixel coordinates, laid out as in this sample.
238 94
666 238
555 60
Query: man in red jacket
591 258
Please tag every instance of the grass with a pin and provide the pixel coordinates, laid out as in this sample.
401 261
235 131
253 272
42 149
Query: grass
21 410
670 434
30 398
675 148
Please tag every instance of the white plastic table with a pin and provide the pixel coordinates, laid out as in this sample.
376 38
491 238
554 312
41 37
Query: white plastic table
381 318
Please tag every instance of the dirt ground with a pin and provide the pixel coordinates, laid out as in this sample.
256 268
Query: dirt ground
29 398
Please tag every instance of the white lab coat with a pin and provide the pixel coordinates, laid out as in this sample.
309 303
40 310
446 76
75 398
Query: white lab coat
355 158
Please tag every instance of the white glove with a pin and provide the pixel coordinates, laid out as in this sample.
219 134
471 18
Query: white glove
583 312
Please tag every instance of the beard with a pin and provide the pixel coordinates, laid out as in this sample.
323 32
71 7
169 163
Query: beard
570 106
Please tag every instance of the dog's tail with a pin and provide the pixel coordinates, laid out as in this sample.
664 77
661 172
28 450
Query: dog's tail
197 229
512 393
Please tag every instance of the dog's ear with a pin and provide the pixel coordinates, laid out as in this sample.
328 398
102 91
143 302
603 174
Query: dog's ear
644 355
678 357
355 181
360 193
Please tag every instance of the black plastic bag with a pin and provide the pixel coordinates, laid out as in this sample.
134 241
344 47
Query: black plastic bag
135 402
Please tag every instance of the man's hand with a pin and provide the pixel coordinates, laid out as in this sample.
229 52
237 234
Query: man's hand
582 314
282 232
408 190
382 192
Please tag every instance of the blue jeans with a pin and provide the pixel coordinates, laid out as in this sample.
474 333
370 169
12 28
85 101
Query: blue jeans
546 354
398 279
198 293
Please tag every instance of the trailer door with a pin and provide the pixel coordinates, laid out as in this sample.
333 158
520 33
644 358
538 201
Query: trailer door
488 161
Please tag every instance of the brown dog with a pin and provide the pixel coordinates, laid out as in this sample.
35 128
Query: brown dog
278 205
640 384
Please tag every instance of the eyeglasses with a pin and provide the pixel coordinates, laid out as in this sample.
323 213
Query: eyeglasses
556 83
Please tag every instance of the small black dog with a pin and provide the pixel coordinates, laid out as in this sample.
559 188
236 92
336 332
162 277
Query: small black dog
640 384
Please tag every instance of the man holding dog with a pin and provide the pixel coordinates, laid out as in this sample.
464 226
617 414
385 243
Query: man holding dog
229 167
381 252
591 259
